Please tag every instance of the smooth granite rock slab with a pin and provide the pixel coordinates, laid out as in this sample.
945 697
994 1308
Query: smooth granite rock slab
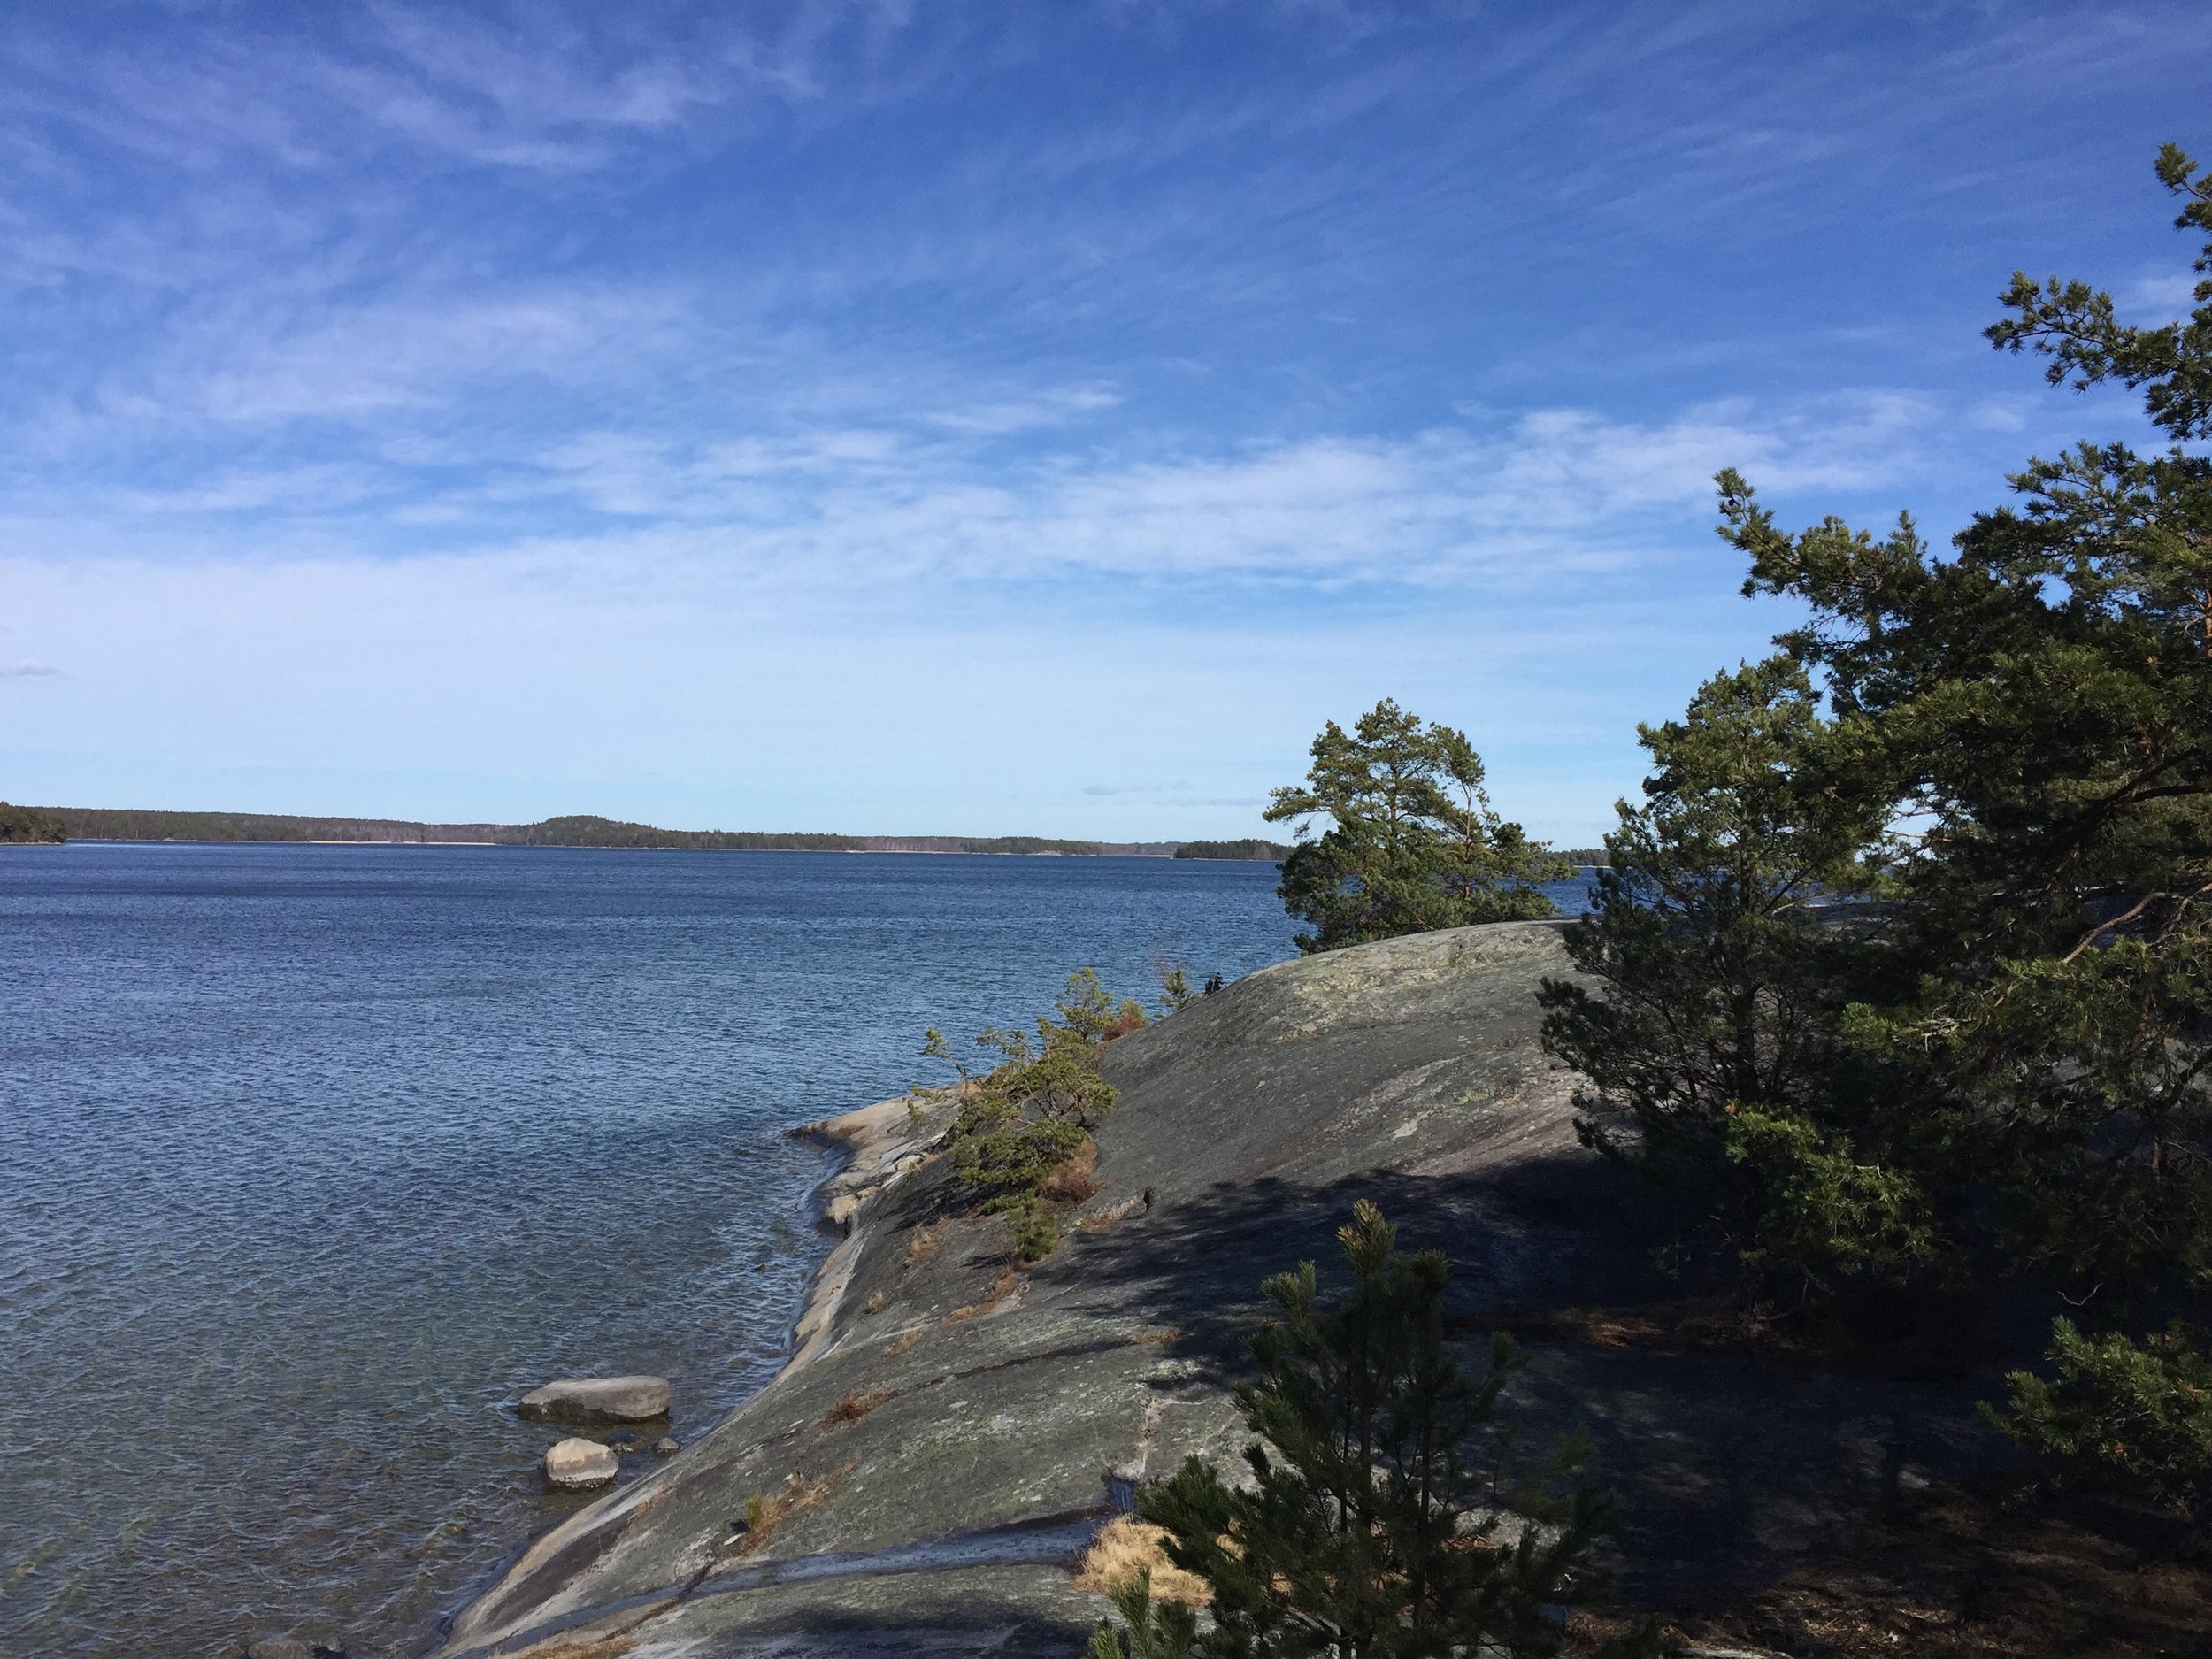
956 1417
598 1399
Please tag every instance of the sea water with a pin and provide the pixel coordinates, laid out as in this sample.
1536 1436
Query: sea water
316 1158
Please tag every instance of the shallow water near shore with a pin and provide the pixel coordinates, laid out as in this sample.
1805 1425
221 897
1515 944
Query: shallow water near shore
318 1157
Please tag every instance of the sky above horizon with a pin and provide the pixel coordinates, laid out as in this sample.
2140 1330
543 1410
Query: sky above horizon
967 418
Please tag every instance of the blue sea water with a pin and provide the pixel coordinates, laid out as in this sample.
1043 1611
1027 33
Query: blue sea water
317 1157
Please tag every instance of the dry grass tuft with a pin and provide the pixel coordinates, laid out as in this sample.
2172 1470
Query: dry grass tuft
795 1496
609 1648
905 1342
874 1305
1073 1181
999 1293
924 1244
1126 1548
850 1406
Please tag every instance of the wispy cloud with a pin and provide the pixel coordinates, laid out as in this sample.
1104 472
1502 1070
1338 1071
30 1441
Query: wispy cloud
913 496
1552 492
1232 365
2165 296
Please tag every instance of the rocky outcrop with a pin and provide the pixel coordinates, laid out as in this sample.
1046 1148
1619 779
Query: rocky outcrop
577 1463
598 1399
954 1428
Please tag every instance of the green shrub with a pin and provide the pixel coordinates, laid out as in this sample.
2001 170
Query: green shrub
1032 1230
2141 1411
1034 1109
1822 1218
1013 1162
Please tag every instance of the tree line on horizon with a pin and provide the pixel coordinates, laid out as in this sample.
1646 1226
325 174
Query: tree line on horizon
573 830
28 823
587 830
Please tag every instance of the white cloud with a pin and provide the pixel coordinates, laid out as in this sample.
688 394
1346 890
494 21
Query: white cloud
314 489
544 678
1554 491
904 498
2166 298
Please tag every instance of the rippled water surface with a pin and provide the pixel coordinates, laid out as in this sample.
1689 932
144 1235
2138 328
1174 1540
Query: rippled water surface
317 1157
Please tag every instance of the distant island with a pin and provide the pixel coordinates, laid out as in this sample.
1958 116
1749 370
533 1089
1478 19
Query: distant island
581 829
1251 849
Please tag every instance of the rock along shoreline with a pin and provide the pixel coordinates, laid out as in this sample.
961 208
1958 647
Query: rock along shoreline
951 1430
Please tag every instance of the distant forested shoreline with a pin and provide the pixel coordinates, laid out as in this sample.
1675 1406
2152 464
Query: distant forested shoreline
576 830
583 829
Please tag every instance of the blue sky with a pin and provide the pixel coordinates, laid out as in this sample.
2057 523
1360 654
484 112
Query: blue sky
940 417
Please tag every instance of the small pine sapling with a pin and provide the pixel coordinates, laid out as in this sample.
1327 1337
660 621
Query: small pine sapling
1175 991
1383 1516
1151 1630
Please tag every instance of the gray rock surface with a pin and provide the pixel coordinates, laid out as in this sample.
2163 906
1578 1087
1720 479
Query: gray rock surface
598 1399
576 1461
943 1520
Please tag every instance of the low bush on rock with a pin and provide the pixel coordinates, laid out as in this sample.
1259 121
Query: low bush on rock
2141 1411
765 1512
1020 1140
1175 991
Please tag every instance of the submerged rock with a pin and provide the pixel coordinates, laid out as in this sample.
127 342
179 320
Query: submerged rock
599 1400
576 1462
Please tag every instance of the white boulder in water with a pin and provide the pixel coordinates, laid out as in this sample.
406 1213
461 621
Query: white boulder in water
576 1461
599 1400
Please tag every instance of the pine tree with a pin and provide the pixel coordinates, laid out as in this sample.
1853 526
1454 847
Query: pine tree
1412 842
1151 1630
2038 713
1712 1044
2004 757
1385 1521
